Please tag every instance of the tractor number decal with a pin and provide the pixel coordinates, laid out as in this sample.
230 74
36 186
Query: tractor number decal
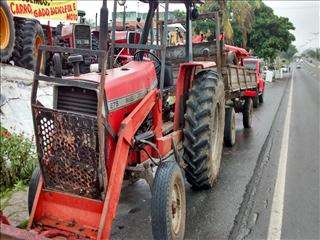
129 99
62 10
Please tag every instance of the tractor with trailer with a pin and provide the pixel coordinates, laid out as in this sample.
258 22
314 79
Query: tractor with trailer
108 126
20 37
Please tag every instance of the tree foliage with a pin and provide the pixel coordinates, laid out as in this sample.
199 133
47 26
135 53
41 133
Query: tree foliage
291 51
270 34
251 24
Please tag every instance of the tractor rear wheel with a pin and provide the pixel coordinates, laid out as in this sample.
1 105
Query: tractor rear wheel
204 129
168 203
32 37
230 127
247 112
7 35
33 185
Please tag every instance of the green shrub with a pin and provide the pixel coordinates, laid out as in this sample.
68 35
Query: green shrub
17 159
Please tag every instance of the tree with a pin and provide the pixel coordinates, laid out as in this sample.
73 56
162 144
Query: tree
270 34
291 51
237 16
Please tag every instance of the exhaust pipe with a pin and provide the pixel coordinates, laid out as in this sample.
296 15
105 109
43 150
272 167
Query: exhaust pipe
103 31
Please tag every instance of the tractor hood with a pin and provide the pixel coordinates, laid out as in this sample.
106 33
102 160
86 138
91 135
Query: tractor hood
126 84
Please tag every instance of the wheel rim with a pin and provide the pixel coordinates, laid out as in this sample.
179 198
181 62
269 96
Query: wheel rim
233 127
4 29
176 207
215 143
37 42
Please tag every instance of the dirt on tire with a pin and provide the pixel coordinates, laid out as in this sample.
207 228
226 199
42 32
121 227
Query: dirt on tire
204 129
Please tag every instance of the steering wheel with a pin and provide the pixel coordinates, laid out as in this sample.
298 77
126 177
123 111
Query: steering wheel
138 56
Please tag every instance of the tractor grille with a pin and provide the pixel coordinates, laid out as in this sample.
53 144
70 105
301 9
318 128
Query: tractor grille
77 100
67 149
82 36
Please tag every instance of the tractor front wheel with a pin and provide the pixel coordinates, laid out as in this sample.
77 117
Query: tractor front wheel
33 185
7 36
247 112
204 129
168 203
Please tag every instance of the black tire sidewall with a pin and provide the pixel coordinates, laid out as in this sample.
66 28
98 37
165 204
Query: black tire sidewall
33 185
261 97
255 101
218 102
247 112
229 133
167 173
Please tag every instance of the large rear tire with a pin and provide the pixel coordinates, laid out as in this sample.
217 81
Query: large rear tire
33 185
204 130
7 33
168 203
230 127
26 50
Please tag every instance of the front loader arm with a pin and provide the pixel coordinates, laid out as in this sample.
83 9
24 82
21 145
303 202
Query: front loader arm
129 127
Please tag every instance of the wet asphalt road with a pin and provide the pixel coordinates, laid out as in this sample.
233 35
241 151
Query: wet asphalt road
300 218
211 214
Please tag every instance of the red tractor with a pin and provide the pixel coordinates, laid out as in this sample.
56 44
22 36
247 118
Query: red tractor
109 126
74 35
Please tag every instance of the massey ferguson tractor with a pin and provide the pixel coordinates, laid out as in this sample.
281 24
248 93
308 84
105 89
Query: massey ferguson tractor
105 127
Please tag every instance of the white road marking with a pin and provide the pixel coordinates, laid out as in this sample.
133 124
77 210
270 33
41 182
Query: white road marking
275 223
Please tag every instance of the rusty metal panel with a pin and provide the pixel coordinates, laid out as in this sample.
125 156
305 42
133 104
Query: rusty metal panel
68 151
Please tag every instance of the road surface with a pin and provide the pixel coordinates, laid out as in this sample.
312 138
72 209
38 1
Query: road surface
286 203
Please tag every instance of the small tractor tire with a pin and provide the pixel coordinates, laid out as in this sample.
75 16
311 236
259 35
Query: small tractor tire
230 127
204 130
168 203
57 65
261 98
32 37
247 112
255 101
33 185
7 32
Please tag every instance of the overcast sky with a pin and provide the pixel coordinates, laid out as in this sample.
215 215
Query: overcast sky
305 16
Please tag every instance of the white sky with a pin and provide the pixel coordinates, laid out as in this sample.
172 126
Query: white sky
305 15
